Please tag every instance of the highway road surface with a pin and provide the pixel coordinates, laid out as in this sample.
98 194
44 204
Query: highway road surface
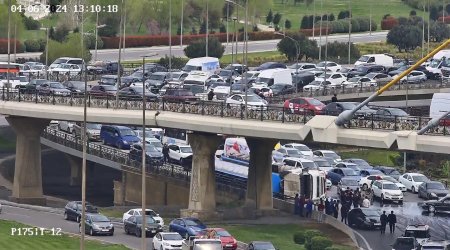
253 46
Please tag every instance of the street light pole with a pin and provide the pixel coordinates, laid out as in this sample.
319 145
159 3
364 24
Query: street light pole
245 57
349 29
144 154
370 17
314 21
120 55
46 56
228 11
320 30
96 34
9 44
207 29
83 164
170 40
182 20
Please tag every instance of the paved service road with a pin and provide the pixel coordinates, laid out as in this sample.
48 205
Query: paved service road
253 46
52 220
407 214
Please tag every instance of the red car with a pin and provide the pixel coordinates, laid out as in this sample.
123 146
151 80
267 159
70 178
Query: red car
228 241
303 105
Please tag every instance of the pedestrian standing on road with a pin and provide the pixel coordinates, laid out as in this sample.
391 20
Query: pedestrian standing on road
366 202
383 221
336 208
301 205
344 213
321 208
296 204
210 95
334 98
327 206
392 219
309 208
165 152
356 198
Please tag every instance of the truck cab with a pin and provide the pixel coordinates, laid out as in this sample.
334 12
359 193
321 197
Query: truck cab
420 232
201 244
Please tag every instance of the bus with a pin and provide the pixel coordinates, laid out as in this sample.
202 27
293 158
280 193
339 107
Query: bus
13 70
175 136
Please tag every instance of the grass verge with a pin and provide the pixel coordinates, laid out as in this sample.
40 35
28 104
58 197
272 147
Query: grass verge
46 241
282 235
373 156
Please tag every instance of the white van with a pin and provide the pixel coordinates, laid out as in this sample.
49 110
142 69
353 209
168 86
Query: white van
206 64
69 60
269 77
197 78
440 63
440 103
379 59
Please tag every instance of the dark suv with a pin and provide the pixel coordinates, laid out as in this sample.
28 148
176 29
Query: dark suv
179 95
366 69
72 211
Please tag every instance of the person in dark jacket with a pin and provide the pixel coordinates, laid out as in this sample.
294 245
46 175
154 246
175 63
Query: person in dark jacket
344 212
392 219
296 204
383 221
334 98
335 208
165 152
301 204
211 95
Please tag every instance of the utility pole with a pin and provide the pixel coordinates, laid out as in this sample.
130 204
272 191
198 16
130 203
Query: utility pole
228 11
119 61
9 44
349 30
170 40
370 17
144 160
314 21
207 28
245 56
96 34
182 20
83 164
320 30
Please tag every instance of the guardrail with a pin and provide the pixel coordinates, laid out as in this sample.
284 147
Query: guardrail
225 182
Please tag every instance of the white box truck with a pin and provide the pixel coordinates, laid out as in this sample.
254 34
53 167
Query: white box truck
379 59
206 64
269 77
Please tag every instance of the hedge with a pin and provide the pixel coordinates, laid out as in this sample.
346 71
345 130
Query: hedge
389 23
4 46
446 19
309 32
299 237
32 46
320 243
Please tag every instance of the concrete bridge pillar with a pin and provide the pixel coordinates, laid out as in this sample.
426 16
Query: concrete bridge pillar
75 170
202 195
259 182
27 186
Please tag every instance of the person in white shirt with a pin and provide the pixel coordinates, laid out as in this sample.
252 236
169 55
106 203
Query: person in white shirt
366 202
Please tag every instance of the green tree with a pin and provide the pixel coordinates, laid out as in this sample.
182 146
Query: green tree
277 18
405 37
288 47
269 17
287 24
71 47
60 33
434 13
438 32
340 50
227 7
16 19
198 48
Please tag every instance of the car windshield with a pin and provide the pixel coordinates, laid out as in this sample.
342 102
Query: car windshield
398 112
392 172
348 105
302 148
390 186
56 85
370 212
148 134
310 165
389 178
292 152
349 182
253 98
151 149
433 248
78 85
93 126
363 59
321 64
421 234
109 88
139 90
186 149
435 63
156 144
216 84
225 73
127 132
321 164
237 86
419 178
157 77
223 233
57 61
435 185
354 79
325 75
193 222
360 162
349 172
315 102
149 220
264 80
148 212
331 155
263 246
192 89
203 245
172 237
107 80
277 86
100 218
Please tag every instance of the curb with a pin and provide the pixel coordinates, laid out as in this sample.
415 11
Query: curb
33 207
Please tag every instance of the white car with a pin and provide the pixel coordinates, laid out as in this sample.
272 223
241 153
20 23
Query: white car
66 69
358 82
167 240
414 77
412 181
149 212
300 147
253 101
393 180
38 70
366 182
329 154
386 190
316 86
179 153
336 79
329 65
66 126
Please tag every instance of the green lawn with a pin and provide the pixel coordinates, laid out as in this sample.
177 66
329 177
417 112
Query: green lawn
280 235
373 156
47 242
360 8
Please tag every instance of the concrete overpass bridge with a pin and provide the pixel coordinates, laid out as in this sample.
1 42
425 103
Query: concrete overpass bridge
29 115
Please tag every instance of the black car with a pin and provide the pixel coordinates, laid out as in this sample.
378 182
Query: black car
72 211
419 68
228 75
388 171
98 224
76 87
133 225
108 80
362 164
271 65
364 218
335 108
302 79
405 243
260 245
153 155
127 81
365 69
136 93
157 80
101 67
441 205
282 89
389 114
30 87
432 190
239 68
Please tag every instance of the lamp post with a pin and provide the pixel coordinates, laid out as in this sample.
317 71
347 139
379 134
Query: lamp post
349 29
320 30
9 43
297 48
207 28
118 62
46 56
228 12
170 40
182 20
96 35
232 42
370 17
84 141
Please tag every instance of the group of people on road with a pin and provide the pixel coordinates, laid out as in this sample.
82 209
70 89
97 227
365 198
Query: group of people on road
390 219
303 206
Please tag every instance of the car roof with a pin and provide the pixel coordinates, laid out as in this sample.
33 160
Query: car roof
414 174
417 227
326 151
385 181
295 144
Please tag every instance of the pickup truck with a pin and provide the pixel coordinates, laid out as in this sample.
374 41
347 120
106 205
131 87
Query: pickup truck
201 244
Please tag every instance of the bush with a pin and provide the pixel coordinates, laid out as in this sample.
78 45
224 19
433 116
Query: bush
90 41
412 13
320 243
4 46
197 49
355 26
32 46
299 237
31 24
343 14
364 23
309 235
335 248
340 50
309 32
42 42
389 23
177 62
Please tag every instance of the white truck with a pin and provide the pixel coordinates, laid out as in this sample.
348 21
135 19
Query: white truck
206 64
201 244
440 64
269 77
309 183
379 59
236 150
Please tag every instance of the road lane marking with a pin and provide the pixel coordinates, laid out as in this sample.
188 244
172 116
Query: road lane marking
364 240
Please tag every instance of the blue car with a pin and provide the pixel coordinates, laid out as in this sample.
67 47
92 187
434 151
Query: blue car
187 227
336 174
118 136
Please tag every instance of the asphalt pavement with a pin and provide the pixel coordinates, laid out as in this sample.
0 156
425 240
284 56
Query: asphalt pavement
157 52
407 214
